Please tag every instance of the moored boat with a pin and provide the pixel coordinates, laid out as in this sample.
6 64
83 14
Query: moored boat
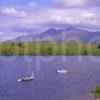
63 71
26 79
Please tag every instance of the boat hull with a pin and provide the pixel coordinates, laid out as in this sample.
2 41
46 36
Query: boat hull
62 71
26 79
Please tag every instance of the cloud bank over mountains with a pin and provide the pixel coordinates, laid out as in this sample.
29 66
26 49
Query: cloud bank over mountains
30 16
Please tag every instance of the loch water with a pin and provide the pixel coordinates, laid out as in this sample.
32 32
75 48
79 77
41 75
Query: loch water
83 76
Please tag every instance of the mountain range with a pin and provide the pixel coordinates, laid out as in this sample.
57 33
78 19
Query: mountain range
60 35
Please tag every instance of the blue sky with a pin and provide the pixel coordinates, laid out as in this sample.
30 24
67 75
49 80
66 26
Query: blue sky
25 2
22 17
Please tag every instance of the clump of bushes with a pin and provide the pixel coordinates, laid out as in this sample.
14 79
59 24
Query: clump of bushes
98 46
47 48
97 92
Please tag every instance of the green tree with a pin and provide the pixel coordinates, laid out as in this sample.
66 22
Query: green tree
20 45
98 47
84 52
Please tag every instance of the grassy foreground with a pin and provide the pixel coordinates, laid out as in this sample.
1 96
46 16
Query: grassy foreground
48 48
97 92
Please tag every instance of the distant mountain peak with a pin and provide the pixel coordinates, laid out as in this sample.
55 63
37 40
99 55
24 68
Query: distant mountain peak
56 35
70 28
53 29
50 30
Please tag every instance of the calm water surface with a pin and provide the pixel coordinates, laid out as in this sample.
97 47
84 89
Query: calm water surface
48 85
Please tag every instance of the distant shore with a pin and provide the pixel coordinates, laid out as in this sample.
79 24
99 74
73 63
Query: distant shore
48 49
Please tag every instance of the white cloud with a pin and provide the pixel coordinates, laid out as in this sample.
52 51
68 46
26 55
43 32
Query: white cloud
13 12
87 18
66 16
29 7
71 2
32 4
51 16
34 17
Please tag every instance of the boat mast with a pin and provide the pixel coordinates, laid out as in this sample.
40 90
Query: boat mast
29 64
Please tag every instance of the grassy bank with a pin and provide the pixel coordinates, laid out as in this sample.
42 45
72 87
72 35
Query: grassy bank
97 92
48 48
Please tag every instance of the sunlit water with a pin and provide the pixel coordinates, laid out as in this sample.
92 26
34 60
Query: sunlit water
83 76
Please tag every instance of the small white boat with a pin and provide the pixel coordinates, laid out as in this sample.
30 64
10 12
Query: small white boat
30 77
63 71
26 79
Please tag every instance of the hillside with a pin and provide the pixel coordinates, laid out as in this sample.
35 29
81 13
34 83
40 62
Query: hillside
60 35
